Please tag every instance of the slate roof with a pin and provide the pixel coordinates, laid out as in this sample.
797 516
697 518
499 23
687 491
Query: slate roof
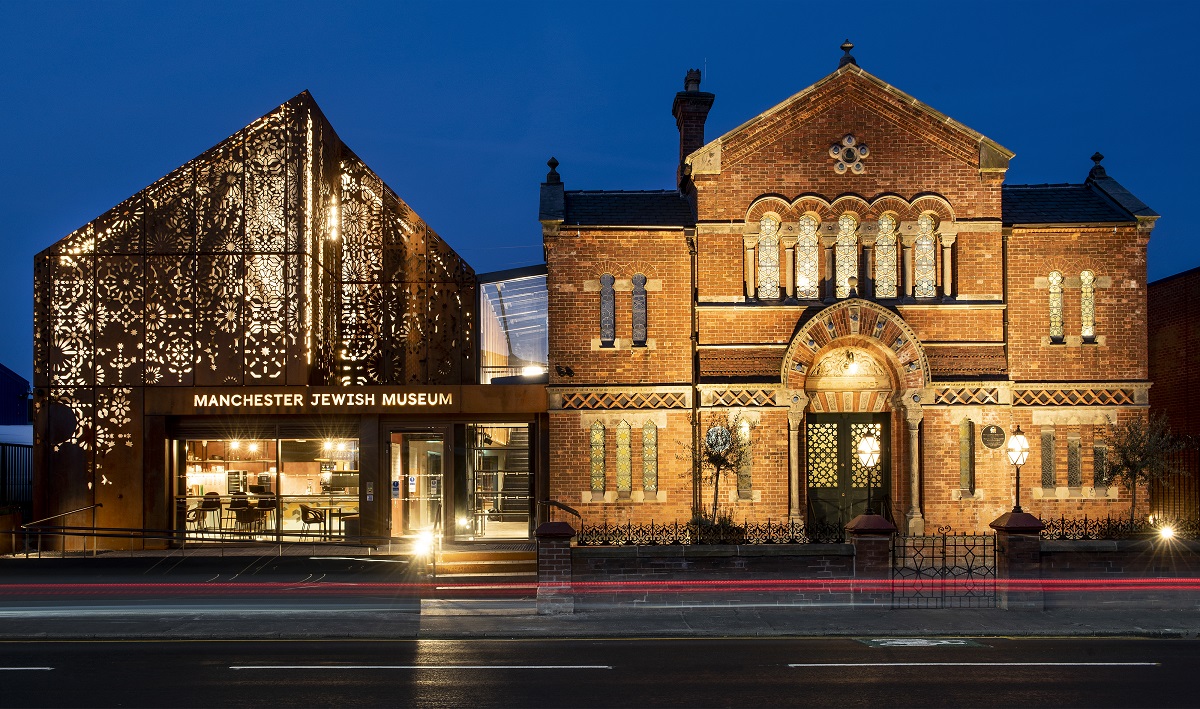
1059 204
633 208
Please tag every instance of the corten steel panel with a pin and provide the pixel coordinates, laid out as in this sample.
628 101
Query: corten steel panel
118 457
255 264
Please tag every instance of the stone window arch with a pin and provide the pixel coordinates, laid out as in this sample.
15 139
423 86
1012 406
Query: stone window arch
886 259
808 255
1056 307
846 253
925 258
1087 306
608 311
768 257
639 310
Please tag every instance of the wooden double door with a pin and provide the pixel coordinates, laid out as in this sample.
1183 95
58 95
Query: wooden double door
838 483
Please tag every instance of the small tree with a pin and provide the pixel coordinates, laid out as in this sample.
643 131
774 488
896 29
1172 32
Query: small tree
723 448
1142 452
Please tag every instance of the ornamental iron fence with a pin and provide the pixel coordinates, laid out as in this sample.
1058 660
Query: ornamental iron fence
1111 528
945 570
652 534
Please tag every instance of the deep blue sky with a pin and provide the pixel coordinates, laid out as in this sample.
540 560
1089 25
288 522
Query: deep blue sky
457 106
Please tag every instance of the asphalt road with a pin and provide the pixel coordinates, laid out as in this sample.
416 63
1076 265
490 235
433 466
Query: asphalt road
938 672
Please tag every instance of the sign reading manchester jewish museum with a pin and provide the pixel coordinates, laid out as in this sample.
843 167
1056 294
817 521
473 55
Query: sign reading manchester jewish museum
305 400
323 400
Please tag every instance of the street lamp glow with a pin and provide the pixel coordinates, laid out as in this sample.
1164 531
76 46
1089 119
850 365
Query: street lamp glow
423 544
868 451
1166 532
1018 453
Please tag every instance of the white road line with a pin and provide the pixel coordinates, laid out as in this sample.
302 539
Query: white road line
420 667
20 669
976 664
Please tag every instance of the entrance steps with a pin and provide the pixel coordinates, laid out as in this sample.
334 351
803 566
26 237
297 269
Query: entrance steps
487 563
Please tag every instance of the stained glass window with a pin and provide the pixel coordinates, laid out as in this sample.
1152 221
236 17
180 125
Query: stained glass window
650 458
821 454
768 258
1087 302
608 311
1056 306
639 310
808 254
624 460
1048 477
1099 463
597 444
745 481
858 472
1074 463
925 259
885 258
846 254
966 455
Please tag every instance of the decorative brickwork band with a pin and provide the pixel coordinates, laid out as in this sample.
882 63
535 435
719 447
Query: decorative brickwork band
597 400
971 396
743 397
1075 397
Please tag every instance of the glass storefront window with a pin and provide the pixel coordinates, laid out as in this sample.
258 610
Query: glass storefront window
513 344
498 482
258 489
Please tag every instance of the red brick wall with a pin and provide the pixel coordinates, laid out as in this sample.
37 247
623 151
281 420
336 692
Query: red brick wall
936 324
1174 340
1119 254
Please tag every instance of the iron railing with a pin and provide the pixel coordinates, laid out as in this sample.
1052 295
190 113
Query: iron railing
1119 527
945 570
652 534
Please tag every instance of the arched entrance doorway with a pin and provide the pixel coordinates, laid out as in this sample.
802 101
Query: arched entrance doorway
849 395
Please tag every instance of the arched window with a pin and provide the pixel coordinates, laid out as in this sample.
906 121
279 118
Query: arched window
1056 311
966 456
1087 303
650 458
885 258
768 258
925 258
608 311
846 253
808 254
596 439
624 460
639 310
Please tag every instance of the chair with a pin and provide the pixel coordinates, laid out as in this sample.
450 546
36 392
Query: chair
249 519
309 517
269 508
211 504
237 501
195 517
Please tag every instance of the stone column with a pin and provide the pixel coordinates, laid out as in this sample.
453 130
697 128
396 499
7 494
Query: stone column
555 595
795 438
830 273
906 245
749 242
947 271
913 414
1019 561
789 266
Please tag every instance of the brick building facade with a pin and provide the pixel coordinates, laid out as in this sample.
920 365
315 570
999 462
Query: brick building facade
846 263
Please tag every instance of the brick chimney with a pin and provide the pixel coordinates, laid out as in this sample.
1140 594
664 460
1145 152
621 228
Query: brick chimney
690 110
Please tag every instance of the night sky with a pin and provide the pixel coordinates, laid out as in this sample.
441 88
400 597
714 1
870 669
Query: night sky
457 106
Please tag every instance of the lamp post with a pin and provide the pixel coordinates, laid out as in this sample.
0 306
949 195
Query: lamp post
1018 452
868 455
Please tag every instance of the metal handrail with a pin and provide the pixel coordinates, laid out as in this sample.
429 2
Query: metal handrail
559 505
27 525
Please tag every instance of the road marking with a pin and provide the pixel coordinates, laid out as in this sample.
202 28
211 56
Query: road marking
976 664
920 642
20 669
420 667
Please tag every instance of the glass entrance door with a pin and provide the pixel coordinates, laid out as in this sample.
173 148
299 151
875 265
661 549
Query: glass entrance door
416 483
838 483
499 497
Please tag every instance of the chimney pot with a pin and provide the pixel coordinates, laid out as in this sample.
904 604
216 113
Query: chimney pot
691 82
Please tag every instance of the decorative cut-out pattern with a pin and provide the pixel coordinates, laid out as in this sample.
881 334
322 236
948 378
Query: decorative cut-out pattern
1087 306
608 311
885 258
650 458
744 397
808 254
639 310
624 458
848 154
618 400
846 253
821 454
1073 397
1048 476
858 472
925 259
1099 463
1056 306
966 395
596 440
1074 463
768 258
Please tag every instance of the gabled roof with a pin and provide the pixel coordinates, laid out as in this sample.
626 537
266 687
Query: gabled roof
666 208
991 153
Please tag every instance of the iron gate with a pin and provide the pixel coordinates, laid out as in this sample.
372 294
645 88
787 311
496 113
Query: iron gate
945 570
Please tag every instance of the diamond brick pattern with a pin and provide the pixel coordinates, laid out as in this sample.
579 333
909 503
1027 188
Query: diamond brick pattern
744 397
586 401
967 396
1073 397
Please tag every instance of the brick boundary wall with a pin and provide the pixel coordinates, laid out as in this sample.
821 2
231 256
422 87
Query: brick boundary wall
1099 561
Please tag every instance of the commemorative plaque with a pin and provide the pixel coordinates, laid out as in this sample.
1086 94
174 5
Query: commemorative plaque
993 436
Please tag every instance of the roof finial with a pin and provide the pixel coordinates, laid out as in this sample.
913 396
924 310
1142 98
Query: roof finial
552 176
1097 170
846 47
